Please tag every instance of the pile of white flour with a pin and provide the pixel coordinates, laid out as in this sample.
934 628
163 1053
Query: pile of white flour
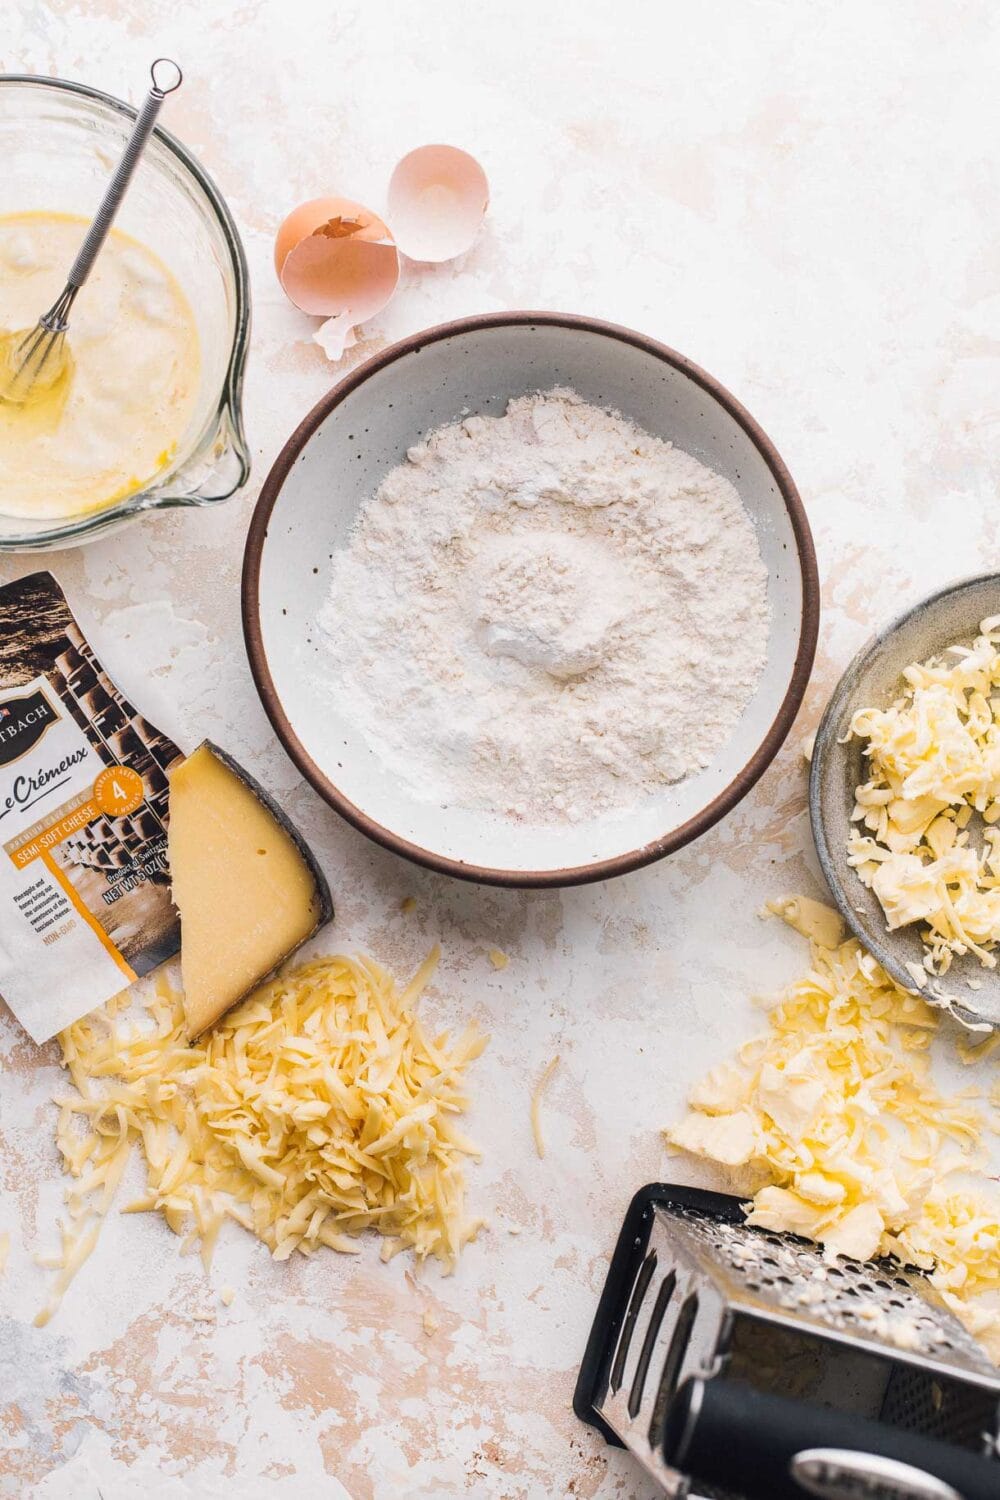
548 614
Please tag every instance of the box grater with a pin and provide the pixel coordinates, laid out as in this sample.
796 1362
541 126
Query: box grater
699 1308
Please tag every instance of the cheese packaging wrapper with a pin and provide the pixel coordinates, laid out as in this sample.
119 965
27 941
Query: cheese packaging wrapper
85 904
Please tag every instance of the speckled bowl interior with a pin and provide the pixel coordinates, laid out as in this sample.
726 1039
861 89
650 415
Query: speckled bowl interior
874 679
337 459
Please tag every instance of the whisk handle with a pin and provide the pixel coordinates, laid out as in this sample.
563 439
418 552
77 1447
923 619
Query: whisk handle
166 76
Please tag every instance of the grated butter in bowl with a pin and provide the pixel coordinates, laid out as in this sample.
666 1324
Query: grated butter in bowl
900 800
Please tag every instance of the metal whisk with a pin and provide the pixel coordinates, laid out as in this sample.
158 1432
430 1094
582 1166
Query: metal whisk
34 361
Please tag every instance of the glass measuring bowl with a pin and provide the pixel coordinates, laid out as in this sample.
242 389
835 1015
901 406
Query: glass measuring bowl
59 143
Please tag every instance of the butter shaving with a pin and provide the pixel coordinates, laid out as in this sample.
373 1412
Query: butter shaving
316 1110
835 1108
813 919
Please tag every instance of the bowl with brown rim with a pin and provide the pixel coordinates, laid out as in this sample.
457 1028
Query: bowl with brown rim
335 460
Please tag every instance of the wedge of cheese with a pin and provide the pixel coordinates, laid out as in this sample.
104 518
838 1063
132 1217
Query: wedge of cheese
247 888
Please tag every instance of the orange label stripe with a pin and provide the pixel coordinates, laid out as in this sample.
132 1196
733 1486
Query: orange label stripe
39 846
87 915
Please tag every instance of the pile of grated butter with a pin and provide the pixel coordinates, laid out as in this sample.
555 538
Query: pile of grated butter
934 759
836 1121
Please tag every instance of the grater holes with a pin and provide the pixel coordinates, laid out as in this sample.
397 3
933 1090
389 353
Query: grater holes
818 1294
628 1326
663 1297
679 1340
937 1406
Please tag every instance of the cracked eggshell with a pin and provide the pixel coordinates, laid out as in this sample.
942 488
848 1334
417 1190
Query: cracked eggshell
438 197
337 260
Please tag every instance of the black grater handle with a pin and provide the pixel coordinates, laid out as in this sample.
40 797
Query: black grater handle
726 1434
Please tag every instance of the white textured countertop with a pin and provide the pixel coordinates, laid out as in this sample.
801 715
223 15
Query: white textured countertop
806 201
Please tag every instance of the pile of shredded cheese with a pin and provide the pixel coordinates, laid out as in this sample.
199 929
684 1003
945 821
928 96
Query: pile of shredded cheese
934 758
317 1109
835 1117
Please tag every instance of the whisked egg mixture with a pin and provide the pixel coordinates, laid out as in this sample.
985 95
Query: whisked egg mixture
116 419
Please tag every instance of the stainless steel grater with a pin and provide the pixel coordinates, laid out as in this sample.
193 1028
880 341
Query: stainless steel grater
697 1303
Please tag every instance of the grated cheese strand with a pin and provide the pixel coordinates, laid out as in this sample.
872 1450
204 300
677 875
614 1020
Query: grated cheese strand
536 1100
316 1110
835 1108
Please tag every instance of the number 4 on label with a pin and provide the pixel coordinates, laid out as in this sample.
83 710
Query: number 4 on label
118 791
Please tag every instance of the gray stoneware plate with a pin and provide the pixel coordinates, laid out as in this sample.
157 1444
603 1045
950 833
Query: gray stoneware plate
874 678
336 459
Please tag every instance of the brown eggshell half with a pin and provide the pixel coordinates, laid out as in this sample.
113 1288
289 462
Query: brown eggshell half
336 258
313 214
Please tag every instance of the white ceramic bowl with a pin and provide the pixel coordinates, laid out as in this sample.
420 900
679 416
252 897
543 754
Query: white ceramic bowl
336 459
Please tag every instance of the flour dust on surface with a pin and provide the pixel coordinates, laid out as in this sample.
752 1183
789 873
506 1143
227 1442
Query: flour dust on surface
549 614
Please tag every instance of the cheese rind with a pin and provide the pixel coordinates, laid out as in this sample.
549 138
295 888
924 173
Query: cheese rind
248 889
